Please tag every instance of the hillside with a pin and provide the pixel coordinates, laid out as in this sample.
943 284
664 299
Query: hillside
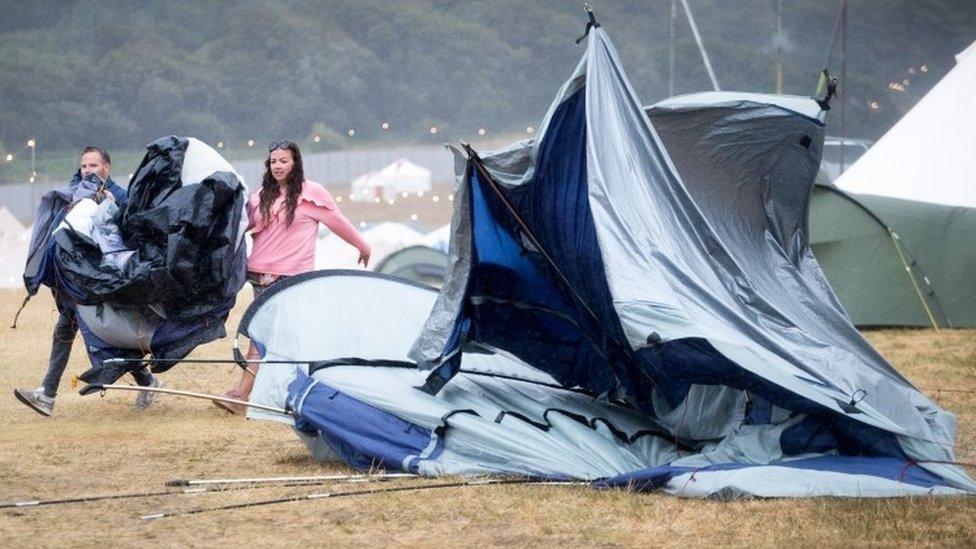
75 72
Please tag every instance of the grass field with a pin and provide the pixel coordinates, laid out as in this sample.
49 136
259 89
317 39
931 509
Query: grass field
98 445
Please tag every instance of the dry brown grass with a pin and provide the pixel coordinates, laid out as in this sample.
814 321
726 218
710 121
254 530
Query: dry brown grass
99 445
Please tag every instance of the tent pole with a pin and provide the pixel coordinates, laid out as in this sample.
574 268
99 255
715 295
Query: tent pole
325 495
93 388
701 45
908 270
843 76
278 480
190 489
674 16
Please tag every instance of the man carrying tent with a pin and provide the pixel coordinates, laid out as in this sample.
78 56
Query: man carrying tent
93 178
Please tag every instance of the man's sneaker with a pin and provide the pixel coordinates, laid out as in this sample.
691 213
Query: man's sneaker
36 400
147 398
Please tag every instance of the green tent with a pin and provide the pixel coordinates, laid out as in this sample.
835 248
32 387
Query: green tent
416 263
895 262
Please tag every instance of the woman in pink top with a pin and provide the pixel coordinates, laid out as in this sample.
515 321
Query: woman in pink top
284 221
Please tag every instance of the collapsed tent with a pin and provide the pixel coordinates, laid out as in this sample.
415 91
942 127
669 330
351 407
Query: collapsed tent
159 276
417 263
875 251
700 340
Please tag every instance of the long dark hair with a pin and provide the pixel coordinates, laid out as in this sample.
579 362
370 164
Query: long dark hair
270 189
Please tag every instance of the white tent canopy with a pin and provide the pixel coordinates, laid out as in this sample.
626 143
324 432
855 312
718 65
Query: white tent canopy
400 176
928 155
14 240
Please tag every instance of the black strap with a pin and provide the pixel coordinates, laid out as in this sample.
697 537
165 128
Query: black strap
536 424
831 91
442 428
591 24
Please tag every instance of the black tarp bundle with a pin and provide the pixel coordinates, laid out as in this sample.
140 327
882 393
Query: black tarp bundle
160 275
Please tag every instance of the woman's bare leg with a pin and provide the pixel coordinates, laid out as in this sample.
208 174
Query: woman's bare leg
246 383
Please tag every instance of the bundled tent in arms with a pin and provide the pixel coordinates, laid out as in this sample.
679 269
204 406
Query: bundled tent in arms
159 276
603 319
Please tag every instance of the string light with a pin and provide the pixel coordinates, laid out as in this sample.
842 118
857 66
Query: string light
10 158
924 68
530 129
130 176
339 199
317 138
391 202
420 194
250 142
385 125
220 144
404 194
32 179
874 105
911 70
482 131
436 198
351 133
433 129
906 82
450 198
352 196
376 200
362 224
413 217
31 143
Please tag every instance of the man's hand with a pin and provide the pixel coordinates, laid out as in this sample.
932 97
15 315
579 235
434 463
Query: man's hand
364 258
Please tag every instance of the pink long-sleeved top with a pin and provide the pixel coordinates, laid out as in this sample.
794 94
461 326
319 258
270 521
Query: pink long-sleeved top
281 249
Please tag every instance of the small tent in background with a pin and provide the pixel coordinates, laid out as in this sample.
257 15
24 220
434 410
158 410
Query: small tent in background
930 154
14 241
368 186
399 177
417 263
331 252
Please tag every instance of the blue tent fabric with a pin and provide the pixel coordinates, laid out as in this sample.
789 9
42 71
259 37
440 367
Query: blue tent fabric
886 468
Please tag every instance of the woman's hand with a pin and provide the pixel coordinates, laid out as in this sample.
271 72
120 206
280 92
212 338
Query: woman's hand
364 257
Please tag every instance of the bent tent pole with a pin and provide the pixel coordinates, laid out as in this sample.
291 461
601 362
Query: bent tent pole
102 388
325 495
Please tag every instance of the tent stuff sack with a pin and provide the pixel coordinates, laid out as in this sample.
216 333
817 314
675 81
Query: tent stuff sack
158 276
598 322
